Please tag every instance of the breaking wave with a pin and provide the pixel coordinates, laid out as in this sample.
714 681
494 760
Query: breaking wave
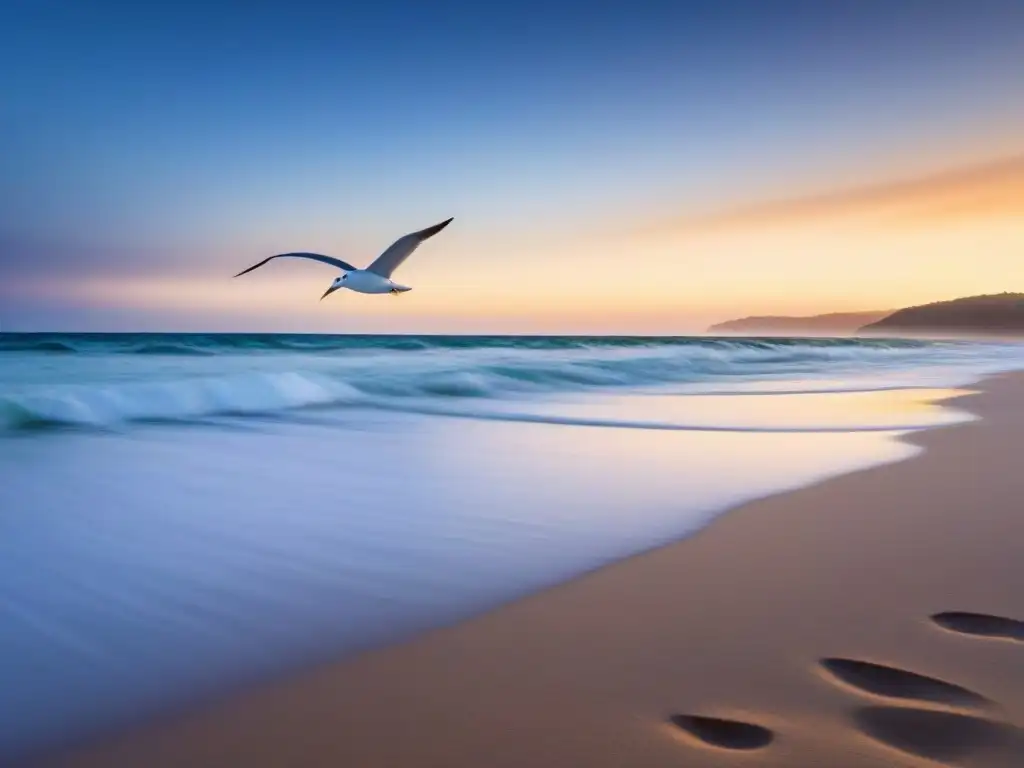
188 377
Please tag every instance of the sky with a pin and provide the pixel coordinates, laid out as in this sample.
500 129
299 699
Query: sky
641 167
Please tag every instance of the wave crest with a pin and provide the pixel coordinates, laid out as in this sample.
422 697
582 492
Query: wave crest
174 400
227 343
427 372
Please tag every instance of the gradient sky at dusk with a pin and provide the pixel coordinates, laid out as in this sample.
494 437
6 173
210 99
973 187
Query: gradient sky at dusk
151 150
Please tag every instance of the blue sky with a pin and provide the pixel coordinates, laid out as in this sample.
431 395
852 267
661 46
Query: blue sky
183 139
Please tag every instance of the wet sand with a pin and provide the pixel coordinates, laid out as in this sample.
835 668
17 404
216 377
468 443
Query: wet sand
870 620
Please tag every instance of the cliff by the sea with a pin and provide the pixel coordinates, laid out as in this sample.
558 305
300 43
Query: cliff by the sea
1000 314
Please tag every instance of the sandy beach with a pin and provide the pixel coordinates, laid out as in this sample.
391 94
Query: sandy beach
803 620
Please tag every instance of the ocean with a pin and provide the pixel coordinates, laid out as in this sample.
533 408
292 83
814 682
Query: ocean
182 514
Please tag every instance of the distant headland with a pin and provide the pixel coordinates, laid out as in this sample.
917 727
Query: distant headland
1000 314
832 324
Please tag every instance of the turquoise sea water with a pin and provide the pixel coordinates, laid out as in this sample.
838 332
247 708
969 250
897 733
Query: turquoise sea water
181 514
117 379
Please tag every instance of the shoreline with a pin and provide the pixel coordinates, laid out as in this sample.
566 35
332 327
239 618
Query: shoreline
587 672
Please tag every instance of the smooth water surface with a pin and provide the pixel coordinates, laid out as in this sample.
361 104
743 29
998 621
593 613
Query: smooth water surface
179 514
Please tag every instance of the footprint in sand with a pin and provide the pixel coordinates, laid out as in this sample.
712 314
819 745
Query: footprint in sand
939 735
946 737
981 625
943 736
722 733
896 683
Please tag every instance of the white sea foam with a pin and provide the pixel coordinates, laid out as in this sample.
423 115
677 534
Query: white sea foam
113 387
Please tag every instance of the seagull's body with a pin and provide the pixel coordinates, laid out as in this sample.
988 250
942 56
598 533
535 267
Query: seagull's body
365 281
376 278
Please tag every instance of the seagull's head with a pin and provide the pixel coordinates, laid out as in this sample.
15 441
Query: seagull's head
339 282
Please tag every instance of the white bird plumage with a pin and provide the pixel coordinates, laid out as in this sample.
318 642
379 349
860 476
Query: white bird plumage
376 278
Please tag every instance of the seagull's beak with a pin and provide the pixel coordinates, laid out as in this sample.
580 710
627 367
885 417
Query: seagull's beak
329 291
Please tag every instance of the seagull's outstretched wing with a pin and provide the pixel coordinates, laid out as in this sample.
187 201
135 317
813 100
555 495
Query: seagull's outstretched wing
402 248
314 256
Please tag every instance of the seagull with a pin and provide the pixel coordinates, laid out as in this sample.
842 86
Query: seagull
376 278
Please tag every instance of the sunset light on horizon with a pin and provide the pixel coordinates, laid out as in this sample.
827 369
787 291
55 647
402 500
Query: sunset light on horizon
703 162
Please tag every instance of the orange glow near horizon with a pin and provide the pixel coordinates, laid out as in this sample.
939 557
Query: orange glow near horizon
876 248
